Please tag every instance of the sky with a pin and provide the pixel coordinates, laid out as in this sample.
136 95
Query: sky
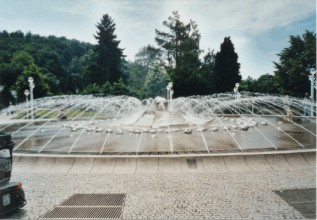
259 29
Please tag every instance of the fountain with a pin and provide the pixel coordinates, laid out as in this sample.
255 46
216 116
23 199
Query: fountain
238 122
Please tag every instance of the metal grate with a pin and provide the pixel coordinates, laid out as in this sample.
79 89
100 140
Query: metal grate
303 200
191 163
95 200
89 206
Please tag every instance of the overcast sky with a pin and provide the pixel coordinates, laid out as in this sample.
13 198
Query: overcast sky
259 29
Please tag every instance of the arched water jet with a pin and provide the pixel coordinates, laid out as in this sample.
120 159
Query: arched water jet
200 114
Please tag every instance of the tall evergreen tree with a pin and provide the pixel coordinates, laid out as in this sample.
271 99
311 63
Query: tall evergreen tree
226 69
181 48
109 57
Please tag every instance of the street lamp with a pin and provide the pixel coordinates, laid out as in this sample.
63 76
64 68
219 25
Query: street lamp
31 84
312 86
26 93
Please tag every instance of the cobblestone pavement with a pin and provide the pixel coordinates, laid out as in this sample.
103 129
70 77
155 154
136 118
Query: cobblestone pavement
246 194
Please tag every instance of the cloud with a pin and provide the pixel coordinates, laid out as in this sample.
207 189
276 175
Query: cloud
136 20
248 16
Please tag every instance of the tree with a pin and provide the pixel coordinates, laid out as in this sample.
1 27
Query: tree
156 82
92 89
266 84
227 69
145 59
137 74
52 55
10 71
148 56
5 97
295 61
109 56
119 88
248 84
41 86
207 69
181 48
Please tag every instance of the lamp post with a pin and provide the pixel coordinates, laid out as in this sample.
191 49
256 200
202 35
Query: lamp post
31 84
26 93
312 86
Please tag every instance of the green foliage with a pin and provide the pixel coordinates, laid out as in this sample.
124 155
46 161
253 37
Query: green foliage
5 97
109 57
137 74
20 59
53 55
148 56
92 89
181 50
62 66
267 84
295 61
226 68
106 88
119 88
207 69
40 80
248 84
264 84
156 82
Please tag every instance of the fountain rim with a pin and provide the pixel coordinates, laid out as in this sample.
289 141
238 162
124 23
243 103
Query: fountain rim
135 156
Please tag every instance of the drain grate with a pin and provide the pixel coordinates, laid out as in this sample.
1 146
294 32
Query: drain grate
89 206
303 200
85 212
95 200
191 163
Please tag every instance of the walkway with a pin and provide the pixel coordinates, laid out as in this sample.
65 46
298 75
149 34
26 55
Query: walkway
224 187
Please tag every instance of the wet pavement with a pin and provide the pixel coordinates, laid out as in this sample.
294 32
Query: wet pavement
222 187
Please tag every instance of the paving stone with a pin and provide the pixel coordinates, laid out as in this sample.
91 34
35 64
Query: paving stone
147 166
125 166
257 163
277 162
82 165
103 165
169 165
62 165
297 161
170 193
236 163
214 164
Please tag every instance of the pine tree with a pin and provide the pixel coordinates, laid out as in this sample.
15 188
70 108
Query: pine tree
109 57
227 69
